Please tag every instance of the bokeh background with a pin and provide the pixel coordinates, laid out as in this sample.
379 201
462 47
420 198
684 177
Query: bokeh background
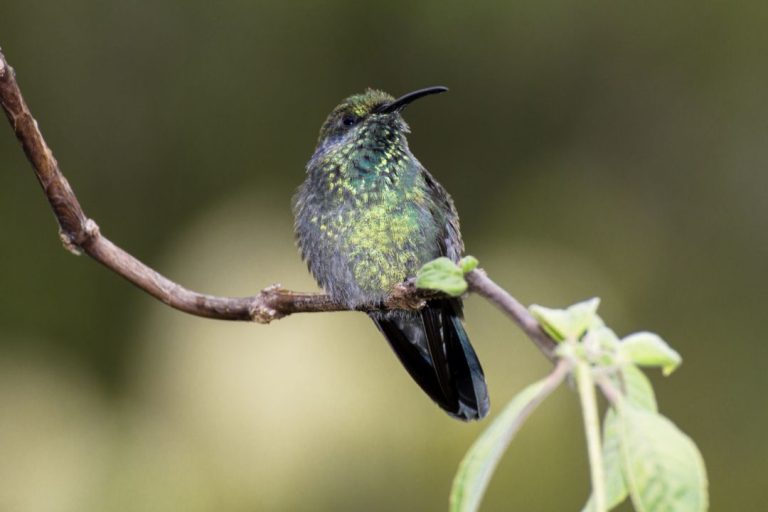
598 148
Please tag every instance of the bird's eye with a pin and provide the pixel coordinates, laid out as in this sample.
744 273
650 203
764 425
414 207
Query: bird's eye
349 120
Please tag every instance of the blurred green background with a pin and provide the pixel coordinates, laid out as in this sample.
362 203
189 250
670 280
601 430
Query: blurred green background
598 148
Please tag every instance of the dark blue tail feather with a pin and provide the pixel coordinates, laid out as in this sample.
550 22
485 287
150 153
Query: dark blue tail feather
433 346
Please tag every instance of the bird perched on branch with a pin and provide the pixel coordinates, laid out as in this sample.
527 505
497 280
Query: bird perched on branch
368 216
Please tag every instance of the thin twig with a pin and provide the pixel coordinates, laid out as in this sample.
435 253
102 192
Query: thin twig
480 283
612 393
488 449
79 234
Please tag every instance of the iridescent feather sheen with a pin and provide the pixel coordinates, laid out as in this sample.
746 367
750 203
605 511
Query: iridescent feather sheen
367 217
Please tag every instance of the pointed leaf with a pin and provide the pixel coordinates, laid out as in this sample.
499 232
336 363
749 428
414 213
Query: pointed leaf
443 275
602 343
648 349
468 264
556 322
583 316
662 467
604 336
638 389
477 467
568 323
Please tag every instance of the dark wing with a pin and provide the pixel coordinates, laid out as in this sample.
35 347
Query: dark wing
433 345
450 242
447 340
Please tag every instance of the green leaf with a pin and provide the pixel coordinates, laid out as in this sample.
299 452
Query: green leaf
603 343
476 469
443 275
615 488
638 389
648 349
468 264
638 392
661 465
584 315
554 321
604 337
569 323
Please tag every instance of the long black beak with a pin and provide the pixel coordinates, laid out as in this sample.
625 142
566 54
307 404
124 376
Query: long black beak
400 103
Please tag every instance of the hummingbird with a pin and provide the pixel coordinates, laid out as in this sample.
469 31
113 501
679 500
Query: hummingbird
367 217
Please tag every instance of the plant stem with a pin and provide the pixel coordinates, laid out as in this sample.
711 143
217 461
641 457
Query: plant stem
586 385
481 284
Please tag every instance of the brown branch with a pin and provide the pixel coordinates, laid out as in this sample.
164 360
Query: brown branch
81 234
480 283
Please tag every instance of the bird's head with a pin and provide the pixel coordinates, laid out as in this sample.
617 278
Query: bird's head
354 117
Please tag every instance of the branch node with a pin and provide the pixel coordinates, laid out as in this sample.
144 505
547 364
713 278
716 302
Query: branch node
74 242
403 296
260 312
91 229
68 241
264 315
272 289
